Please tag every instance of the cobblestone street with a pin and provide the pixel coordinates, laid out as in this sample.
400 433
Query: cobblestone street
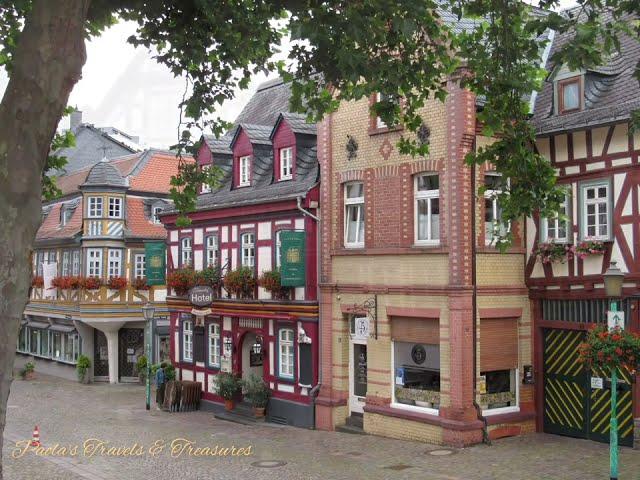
69 413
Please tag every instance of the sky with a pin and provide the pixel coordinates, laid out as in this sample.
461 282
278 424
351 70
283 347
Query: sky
124 87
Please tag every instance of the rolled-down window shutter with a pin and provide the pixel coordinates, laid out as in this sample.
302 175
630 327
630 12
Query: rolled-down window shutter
498 344
416 330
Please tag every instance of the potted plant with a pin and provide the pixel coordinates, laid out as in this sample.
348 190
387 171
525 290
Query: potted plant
82 368
28 371
117 283
240 282
228 387
610 349
37 281
551 252
141 366
257 392
140 283
211 277
270 281
590 247
91 283
182 280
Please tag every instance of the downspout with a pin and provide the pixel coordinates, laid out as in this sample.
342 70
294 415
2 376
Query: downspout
474 302
313 393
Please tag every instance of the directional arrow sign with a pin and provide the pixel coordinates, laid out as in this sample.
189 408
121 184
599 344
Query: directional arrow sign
615 319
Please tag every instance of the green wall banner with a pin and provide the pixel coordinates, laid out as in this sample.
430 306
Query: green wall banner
292 269
155 255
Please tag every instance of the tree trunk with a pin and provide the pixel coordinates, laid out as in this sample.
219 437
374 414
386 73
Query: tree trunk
47 64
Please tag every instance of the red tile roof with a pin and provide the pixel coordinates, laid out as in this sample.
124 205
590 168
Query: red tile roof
156 174
138 224
51 227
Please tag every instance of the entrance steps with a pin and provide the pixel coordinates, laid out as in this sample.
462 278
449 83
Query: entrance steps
354 424
242 413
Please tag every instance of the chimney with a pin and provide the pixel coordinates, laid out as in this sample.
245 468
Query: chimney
75 119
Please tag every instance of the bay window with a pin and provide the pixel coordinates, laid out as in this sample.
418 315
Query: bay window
427 209
66 266
139 265
595 203
248 251
115 207
94 262
354 214
285 353
95 207
75 262
115 262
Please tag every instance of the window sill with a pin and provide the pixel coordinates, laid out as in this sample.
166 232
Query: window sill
413 408
287 380
382 130
427 244
285 179
354 246
500 411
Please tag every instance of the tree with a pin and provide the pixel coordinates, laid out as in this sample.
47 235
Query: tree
343 50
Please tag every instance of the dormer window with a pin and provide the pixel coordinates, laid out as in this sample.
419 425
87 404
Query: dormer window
65 215
286 163
569 95
244 166
155 213
205 187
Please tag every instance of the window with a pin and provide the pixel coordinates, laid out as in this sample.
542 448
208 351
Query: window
499 354
214 345
39 261
187 340
138 265
206 188
94 262
383 98
39 342
115 207
115 262
500 389
66 266
95 207
494 227
285 353
248 250
596 210
185 255
286 163
155 214
75 263
279 248
427 209
569 95
556 229
65 215
212 251
245 171
354 215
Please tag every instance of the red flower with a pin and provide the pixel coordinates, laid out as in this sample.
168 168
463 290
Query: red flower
600 355
616 337
618 351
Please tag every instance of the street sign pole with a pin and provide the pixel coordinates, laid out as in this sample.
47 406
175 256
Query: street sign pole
613 430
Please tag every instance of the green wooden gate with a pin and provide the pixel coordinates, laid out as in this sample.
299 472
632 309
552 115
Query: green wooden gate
571 406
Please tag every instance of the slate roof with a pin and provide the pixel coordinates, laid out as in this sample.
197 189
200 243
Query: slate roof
258 134
611 92
218 145
104 173
297 122
271 98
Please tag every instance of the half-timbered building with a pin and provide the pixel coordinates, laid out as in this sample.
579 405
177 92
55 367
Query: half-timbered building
582 121
269 189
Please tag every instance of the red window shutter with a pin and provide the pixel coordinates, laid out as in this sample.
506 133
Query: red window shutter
498 344
415 330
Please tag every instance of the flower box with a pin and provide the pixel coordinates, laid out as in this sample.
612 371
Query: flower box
117 283
240 282
270 281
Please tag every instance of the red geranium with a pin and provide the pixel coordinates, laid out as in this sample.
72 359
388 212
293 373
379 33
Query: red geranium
117 283
619 349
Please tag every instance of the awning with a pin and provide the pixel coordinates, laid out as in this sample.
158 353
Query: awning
62 328
42 325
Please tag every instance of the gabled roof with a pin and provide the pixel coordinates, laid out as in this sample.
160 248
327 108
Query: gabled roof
297 122
258 134
611 92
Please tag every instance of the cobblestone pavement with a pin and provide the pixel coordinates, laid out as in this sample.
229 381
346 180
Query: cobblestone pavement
69 413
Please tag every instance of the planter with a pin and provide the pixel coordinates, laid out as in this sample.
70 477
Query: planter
85 380
258 411
29 376
228 404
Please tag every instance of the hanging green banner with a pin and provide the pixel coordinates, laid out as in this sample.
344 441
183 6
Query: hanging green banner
292 269
155 255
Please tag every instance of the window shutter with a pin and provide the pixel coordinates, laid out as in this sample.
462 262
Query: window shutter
498 344
198 344
416 330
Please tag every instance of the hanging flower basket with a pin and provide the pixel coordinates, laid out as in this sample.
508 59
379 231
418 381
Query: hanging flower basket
609 349
240 282
591 247
140 283
182 280
270 281
37 282
117 283
550 252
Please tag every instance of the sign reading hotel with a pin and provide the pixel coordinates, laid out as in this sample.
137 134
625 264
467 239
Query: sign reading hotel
201 296
155 255
292 261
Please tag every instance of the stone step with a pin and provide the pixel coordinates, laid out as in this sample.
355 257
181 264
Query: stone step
350 429
355 421
240 418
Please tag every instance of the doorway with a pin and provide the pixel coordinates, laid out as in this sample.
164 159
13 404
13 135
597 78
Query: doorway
131 347
251 362
100 357
357 375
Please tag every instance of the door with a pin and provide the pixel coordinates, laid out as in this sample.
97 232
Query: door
100 356
577 400
131 347
357 375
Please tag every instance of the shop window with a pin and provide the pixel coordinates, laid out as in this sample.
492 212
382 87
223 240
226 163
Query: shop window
556 229
285 353
248 250
187 340
354 214
185 252
214 345
427 209
498 388
596 210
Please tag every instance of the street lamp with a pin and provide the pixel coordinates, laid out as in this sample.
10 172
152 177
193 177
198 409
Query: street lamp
257 346
148 311
613 279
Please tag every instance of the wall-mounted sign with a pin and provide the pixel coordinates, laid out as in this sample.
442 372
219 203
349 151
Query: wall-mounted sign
597 383
418 354
154 260
361 328
527 378
201 296
615 319
292 260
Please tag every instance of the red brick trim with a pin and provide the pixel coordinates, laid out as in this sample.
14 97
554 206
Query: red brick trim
510 417
331 402
350 176
413 312
423 418
514 313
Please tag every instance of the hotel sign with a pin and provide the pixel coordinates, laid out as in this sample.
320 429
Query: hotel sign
292 260
201 296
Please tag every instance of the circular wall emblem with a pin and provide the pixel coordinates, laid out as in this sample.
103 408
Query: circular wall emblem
418 354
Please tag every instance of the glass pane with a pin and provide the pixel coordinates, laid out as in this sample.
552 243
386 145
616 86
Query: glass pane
591 193
603 230
571 96
591 209
422 219
492 182
435 219
428 182
602 192
359 370
355 190
361 224
591 231
488 210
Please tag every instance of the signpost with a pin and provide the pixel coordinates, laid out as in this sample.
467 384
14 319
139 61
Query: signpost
155 263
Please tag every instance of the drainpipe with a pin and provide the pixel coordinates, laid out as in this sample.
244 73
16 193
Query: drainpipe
474 301
316 389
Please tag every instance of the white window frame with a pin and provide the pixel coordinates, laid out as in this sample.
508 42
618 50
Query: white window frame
512 409
186 252
187 340
212 251
115 263
286 163
115 207
403 406
65 210
493 196
278 250
214 345
428 196
75 262
286 352
585 202
66 263
155 217
349 203
94 262
555 223
248 249
244 171
94 208
205 188
139 265
379 122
